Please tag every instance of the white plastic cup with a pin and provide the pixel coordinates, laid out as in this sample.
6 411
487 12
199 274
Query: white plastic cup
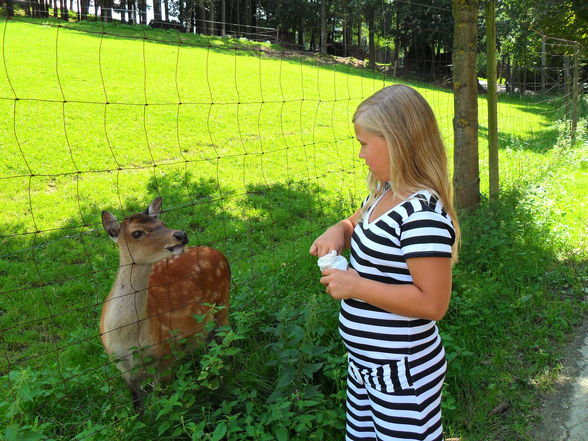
332 260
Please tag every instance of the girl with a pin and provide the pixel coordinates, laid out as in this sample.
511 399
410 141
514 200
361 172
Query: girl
403 241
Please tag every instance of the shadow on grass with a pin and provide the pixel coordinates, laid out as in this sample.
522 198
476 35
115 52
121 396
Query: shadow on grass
540 141
53 282
50 327
514 300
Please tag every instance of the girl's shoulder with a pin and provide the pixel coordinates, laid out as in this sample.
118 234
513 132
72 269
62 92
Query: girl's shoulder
424 204
422 200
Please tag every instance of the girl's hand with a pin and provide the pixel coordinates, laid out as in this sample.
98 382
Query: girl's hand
332 239
340 284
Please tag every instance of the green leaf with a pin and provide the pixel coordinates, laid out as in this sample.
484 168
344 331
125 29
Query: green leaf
164 426
310 369
282 433
231 351
219 432
286 377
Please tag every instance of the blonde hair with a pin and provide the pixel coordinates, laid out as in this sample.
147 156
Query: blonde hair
418 160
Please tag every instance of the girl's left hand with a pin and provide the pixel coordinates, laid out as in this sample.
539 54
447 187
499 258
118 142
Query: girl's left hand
340 284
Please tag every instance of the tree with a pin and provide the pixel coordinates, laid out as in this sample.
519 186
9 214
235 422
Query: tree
157 10
323 27
85 8
466 179
567 19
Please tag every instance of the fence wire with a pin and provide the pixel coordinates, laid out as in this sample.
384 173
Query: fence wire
250 146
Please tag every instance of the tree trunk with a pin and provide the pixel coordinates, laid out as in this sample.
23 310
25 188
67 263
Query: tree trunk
575 94
106 10
323 17
345 41
43 9
567 83
223 18
201 21
466 177
543 66
372 41
157 10
301 32
64 11
247 11
211 19
253 17
347 34
130 12
9 8
143 12
509 79
433 71
359 31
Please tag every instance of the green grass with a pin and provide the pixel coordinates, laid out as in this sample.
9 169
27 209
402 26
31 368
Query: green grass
252 150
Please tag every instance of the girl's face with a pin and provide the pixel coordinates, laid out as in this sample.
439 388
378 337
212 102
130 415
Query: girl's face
374 151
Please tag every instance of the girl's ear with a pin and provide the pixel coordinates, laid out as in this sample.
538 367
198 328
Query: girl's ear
110 224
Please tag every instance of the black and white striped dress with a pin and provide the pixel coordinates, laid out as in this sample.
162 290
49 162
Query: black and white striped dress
396 364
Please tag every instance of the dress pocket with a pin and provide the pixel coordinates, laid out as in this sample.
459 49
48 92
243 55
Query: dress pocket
395 377
392 378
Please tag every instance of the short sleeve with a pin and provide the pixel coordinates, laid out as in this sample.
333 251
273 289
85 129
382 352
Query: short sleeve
426 233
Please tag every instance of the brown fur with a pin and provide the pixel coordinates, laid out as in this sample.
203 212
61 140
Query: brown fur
177 288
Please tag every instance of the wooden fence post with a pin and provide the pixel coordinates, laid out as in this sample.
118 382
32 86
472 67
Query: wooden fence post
575 93
494 176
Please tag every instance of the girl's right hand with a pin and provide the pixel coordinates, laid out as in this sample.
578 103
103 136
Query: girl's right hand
332 239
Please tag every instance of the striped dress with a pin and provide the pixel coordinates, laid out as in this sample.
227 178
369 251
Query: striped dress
396 364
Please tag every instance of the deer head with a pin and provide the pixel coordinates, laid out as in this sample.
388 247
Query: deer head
143 238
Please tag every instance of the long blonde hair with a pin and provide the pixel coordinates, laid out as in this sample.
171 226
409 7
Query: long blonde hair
418 160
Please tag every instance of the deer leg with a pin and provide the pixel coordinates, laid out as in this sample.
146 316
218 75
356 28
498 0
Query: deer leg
137 394
138 398
133 378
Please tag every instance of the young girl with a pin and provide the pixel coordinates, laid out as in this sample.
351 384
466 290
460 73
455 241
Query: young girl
403 241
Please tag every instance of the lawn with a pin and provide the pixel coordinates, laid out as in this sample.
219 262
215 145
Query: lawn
252 150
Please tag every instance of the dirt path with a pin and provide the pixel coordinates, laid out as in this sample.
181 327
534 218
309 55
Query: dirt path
564 414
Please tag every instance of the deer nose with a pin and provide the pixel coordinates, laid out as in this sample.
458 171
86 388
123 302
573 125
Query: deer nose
181 237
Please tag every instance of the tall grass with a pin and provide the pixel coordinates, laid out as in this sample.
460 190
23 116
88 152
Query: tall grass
252 151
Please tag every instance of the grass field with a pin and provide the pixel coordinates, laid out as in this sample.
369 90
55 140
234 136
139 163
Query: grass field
252 150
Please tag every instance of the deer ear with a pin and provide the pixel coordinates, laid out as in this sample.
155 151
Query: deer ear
110 224
154 209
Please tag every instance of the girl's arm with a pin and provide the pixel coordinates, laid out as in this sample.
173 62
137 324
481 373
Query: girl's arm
427 297
337 237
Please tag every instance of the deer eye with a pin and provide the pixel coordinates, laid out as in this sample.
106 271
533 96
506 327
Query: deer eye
137 234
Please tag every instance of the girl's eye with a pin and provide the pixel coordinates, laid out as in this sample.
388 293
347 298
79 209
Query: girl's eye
137 234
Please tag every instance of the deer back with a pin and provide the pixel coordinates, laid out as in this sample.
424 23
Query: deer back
178 289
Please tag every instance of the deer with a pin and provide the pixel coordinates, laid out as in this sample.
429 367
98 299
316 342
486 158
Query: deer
164 295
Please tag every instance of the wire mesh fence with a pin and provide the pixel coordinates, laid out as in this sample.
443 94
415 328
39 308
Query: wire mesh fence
249 145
